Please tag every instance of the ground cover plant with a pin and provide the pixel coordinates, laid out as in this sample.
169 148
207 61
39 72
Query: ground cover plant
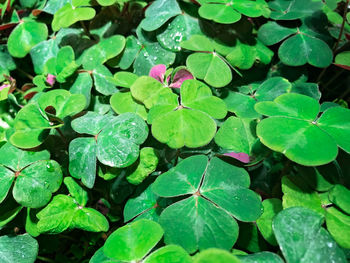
174 131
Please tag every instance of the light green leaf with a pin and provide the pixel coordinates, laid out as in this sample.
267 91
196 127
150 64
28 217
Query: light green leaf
21 249
63 213
237 135
271 208
300 195
171 253
69 14
76 191
133 241
340 196
25 36
206 65
147 164
159 12
214 255
338 224
293 9
302 239
123 102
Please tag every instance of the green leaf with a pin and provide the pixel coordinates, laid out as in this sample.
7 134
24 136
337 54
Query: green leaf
171 253
195 223
69 14
151 92
206 65
301 49
207 185
294 9
104 80
214 255
125 79
21 249
159 12
144 54
133 241
82 160
76 191
36 177
300 195
198 96
302 46
189 124
102 51
17 159
64 103
123 102
42 52
302 239
336 122
106 2
36 183
180 29
125 133
237 135
338 223
271 208
343 59
142 205
228 12
340 196
6 62
63 213
261 257
25 36
198 43
147 164
293 117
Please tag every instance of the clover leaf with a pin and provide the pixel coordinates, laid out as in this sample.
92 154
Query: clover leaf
293 9
64 213
294 117
33 124
302 239
72 12
134 241
340 196
260 257
6 62
158 13
26 35
217 190
34 176
302 45
21 249
206 62
342 60
104 50
144 53
189 124
212 255
181 28
237 135
123 102
116 143
242 101
228 11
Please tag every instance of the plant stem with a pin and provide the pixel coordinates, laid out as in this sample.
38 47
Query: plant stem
25 74
45 259
64 139
342 26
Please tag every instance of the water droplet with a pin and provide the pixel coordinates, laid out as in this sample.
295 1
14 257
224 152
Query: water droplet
49 167
237 198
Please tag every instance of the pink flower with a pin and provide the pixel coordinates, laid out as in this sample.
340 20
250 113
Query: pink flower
158 73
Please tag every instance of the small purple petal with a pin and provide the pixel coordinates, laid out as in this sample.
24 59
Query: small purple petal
4 86
158 72
180 77
243 157
50 79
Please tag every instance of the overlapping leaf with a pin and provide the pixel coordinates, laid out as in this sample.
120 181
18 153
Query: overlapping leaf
217 192
34 177
295 118
115 143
